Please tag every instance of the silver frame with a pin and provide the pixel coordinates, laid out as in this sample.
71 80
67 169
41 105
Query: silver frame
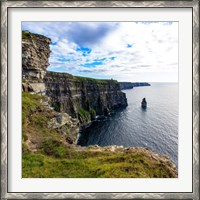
5 5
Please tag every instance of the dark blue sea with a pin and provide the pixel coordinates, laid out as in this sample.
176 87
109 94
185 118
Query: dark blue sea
155 127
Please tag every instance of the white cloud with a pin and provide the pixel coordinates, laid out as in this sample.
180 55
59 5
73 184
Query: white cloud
153 48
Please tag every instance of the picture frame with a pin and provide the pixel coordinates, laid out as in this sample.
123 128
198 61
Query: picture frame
6 111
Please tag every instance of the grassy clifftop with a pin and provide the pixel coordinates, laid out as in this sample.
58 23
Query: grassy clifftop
81 78
47 152
27 35
58 161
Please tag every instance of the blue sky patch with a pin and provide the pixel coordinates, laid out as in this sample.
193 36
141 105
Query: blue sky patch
63 60
99 60
129 45
54 43
112 58
92 64
85 51
85 71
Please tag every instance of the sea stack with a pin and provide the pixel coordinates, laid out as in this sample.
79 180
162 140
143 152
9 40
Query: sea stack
144 103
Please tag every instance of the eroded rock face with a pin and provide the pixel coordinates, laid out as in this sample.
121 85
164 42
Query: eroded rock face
66 125
61 120
35 59
70 94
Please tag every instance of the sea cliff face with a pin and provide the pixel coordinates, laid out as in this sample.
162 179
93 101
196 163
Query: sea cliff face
78 96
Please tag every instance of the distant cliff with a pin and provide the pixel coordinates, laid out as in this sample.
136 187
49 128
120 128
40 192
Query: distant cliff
80 97
130 85
139 84
126 85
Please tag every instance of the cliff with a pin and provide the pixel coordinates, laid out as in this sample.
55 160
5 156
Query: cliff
80 97
140 84
54 105
125 85
130 85
35 60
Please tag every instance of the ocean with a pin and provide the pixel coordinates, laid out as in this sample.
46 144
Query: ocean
155 127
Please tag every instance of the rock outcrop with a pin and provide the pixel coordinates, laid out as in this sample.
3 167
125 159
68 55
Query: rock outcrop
144 103
35 60
66 125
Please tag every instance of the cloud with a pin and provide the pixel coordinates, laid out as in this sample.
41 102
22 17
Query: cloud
85 33
112 49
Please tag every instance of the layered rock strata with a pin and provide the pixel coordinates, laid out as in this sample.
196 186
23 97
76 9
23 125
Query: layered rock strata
35 60
79 96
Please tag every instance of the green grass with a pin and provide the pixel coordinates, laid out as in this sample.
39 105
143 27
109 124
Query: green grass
35 120
88 164
98 81
54 148
92 113
30 104
83 115
26 35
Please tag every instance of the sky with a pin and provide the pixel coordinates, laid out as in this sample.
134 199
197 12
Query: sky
124 51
